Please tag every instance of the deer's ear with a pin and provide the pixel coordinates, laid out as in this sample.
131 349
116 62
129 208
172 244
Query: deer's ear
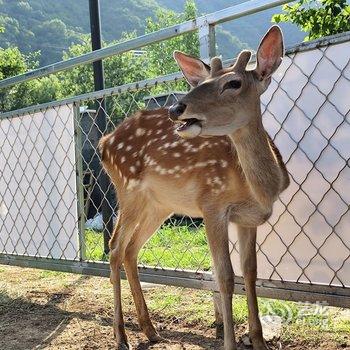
194 70
270 53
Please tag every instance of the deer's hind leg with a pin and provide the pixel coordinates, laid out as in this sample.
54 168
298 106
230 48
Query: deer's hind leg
149 223
130 214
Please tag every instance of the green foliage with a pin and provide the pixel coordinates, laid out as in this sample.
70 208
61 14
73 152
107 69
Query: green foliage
30 29
13 62
317 17
160 55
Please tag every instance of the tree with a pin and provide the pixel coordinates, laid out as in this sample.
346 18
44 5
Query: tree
14 62
160 55
317 17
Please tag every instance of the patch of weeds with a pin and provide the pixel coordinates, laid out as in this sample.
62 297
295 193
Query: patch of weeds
52 274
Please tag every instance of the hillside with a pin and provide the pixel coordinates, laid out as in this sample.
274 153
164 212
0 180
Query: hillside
52 26
248 29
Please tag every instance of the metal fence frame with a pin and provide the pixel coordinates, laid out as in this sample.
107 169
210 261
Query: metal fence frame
336 296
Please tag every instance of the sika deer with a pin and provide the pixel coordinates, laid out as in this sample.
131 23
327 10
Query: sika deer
214 160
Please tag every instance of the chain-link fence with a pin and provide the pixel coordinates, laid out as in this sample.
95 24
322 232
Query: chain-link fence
57 206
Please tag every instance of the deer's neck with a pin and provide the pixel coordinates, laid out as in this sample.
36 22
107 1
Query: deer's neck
258 161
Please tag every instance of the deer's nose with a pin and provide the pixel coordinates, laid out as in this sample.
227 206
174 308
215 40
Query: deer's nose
176 110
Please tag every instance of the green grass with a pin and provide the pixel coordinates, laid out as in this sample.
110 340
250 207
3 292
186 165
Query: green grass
180 247
301 321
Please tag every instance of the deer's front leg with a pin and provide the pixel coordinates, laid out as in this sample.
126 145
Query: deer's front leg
247 250
217 233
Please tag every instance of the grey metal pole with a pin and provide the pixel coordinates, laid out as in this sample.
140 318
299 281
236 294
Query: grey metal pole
101 122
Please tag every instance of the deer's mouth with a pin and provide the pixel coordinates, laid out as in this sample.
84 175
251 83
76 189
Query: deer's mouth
187 123
189 128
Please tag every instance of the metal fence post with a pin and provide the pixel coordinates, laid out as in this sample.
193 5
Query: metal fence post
207 43
79 180
101 121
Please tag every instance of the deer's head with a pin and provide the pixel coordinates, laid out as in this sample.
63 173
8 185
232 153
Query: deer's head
225 99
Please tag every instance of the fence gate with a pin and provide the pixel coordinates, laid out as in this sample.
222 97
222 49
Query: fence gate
51 192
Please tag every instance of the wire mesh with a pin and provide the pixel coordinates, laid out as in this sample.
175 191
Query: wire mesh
180 243
305 110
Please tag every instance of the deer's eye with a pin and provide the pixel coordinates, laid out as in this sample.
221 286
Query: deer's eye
232 84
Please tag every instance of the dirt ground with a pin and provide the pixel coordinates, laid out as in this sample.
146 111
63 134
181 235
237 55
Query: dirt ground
47 310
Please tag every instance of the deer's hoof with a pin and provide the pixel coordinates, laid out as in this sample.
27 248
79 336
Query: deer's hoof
156 338
123 346
219 330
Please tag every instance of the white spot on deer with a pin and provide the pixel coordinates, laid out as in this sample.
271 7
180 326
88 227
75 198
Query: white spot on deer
200 164
209 181
140 131
120 145
223 163
159 131
177 155
133 169
135 154
128 148
138 163
217 180
204 144
149 132
166 145
174 144
211 161
171 171
159 123
147 158
111 140
132 184
130 137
